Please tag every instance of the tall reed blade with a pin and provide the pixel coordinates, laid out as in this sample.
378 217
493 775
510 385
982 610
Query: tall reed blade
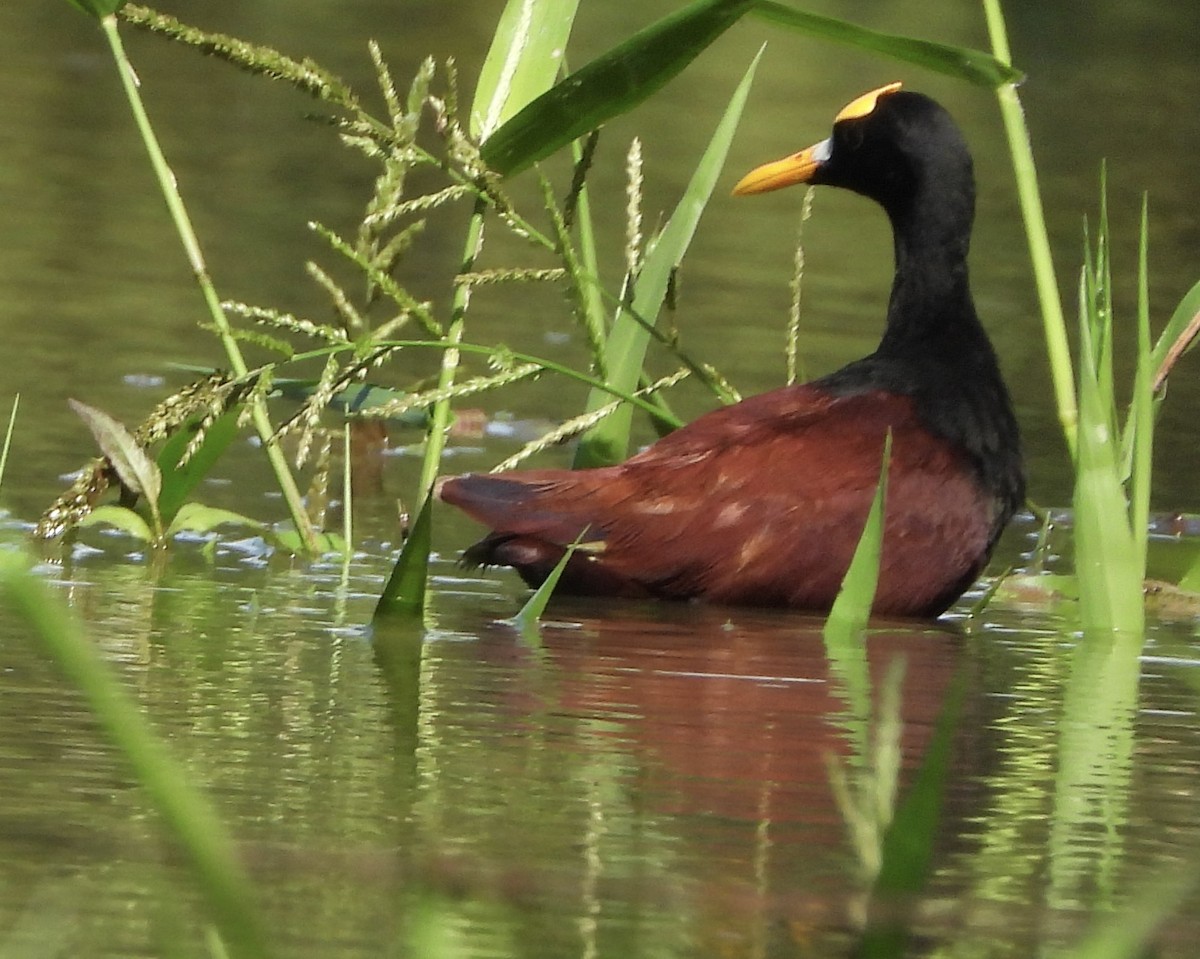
608 442
1106 558
523 61
1021 150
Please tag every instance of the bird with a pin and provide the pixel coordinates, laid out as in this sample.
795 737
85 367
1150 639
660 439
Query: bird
762 502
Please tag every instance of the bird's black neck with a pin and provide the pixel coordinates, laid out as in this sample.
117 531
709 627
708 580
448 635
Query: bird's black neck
936 351
931 311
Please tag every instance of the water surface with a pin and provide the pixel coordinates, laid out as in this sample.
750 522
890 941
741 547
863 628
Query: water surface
650 780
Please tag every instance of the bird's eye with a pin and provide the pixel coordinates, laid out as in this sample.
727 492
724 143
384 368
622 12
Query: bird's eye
851 136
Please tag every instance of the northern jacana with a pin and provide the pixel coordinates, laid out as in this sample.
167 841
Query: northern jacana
763 502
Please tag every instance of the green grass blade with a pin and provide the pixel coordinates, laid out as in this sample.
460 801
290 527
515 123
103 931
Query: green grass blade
404 594
1106 561
1102 330
119 517
169 186
8 435
530 614
962 62
189 815
523 61
847 620
198 518
1141 407
608 442
852 608
178 482
610 85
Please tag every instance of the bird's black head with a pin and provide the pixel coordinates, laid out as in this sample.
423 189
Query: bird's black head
889 145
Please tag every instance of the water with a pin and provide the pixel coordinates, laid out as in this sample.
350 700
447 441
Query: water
653 779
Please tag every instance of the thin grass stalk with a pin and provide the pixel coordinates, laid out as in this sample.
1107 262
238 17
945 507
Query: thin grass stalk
347 492
590 297
1029 196
8 435
191 246
794 368
480 349
439 419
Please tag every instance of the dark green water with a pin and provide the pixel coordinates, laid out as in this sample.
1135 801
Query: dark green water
653 781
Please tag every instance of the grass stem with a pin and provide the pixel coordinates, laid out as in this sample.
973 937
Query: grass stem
191 246
1053 320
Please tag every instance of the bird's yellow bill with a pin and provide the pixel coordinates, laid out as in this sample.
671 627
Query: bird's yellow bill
798 168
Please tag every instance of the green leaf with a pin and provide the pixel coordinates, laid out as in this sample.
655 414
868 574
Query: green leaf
1141 407
608 441
610 85
531 613
962 62
290 540
845 648
1106 558
198 518
523 62
98 8
179 481
404 594
123 518
136 470
852 608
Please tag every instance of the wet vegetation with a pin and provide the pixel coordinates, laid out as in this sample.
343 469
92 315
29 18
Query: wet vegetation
528 105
